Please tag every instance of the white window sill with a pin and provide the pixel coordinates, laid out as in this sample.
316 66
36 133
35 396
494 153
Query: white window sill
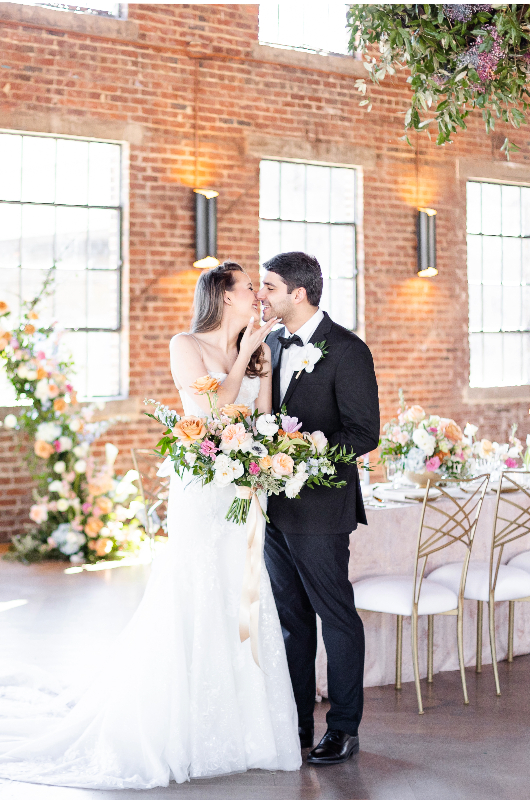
496 394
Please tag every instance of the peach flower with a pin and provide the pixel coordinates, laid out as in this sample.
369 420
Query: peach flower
189 429
293 435
99 485
4 308
29 329
104 504
233 410
53 390
282 464
102 547
205 384
452 431
38 513
265 462
33 315
93 526
41 373
43 449
234 435
59 404
5 338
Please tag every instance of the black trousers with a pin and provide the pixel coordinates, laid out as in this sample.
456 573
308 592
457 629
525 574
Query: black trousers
309 576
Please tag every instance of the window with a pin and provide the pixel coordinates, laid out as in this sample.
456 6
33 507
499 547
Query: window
312 208
60 204
315 25
498 268
103 8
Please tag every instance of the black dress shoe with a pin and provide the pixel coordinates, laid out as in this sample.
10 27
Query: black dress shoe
334 748
306 737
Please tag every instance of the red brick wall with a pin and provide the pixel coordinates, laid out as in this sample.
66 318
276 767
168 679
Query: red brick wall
416 328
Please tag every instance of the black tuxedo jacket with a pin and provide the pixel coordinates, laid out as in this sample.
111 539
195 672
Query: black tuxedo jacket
340 399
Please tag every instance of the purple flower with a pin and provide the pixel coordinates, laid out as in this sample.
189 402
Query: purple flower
290 424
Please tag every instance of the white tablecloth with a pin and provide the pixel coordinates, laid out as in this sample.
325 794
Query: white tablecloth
387 546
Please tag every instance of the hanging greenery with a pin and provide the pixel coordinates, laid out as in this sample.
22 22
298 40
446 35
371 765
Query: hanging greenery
460 58
81 510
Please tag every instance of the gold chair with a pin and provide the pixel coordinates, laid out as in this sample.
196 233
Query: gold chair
154 491
413 597
493 582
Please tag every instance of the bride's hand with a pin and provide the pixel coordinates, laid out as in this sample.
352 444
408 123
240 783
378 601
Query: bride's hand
252 339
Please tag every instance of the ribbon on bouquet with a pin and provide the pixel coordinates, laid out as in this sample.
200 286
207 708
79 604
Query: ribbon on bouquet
249 607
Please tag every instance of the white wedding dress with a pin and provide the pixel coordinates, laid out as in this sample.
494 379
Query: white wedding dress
182 696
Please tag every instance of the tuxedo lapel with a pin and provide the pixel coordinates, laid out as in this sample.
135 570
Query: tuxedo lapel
322 330
276 357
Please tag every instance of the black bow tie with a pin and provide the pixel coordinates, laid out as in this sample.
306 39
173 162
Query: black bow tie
287 342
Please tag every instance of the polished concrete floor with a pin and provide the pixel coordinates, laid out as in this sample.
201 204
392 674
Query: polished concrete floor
478 752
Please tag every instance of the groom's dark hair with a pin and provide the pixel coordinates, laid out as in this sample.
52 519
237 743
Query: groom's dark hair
296 270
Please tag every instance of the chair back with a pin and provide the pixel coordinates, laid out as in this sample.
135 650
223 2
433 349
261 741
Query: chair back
442 527
154 491
512 516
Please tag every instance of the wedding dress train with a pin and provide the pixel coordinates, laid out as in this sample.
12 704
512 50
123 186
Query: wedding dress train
178 696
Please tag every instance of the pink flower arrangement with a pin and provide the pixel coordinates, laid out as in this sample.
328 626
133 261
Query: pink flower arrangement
432 464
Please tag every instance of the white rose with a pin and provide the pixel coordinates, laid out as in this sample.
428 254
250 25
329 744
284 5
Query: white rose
190 459
80 466
41 390
10 421
470 430
48 431
66 443
266 425
62 504
514 452
247 444
319 440
224 473
56 486
38 513
75 425
22 371
59 467
424 440
81 450
237 469
293 485
31 374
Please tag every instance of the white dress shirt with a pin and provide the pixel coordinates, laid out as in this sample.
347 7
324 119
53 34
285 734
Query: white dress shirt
305 333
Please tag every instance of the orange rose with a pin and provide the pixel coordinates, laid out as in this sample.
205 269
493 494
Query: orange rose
93 526
29 329
293 435
189 429
282 465
33 315
265 462
43 449
234 410
41 373
104 504
205 384
4 308
453 432
59 404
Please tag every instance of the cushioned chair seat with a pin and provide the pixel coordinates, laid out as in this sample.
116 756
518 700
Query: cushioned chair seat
392 594
512 583
522 561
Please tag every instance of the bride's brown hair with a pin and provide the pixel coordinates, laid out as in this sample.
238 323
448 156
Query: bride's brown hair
208 307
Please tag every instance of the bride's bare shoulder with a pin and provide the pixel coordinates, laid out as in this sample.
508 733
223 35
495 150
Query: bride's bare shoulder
183 343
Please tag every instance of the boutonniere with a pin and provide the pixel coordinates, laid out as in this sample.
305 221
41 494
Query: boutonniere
307 356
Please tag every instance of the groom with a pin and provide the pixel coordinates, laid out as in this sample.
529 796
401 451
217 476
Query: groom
307 541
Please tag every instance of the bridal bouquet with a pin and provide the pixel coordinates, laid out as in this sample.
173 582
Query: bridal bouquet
266 453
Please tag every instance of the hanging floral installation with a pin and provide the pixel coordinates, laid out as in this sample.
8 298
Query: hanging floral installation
460 58
82 511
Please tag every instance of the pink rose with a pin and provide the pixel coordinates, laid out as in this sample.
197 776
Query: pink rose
86 507
281 465
208 447
319 441
432 464
253 468
510 463
38 513
233 436
57 446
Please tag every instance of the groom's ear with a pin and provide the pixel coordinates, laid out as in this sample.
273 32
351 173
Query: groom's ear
299 295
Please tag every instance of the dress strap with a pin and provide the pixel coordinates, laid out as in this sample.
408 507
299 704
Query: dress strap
198 342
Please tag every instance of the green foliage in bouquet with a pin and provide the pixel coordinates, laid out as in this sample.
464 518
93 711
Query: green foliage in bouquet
81 511
460 58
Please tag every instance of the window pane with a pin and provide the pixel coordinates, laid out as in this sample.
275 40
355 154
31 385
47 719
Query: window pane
292 203
71 299
491 209
511 308
31 282
289 29
72 172
10 166
492 260
342 195
103 367
269 189
269 239
513 359
317 244
38 233
292 237
492 300
525 211
10 230
511 260
474 259
10 280
343 302
268 22
318 193
104 174
475 359
493 359
38 169
74 345
325 302
525 308
526 261
342 251
475 307
71 241
511 211
474 208
103 238
103 299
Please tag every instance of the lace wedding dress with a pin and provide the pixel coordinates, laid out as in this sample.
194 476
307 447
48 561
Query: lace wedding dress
182 696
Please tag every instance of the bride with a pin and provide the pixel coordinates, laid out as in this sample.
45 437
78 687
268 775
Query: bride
182 696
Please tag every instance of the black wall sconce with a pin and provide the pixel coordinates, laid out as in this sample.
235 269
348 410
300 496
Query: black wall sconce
426 232
205 228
